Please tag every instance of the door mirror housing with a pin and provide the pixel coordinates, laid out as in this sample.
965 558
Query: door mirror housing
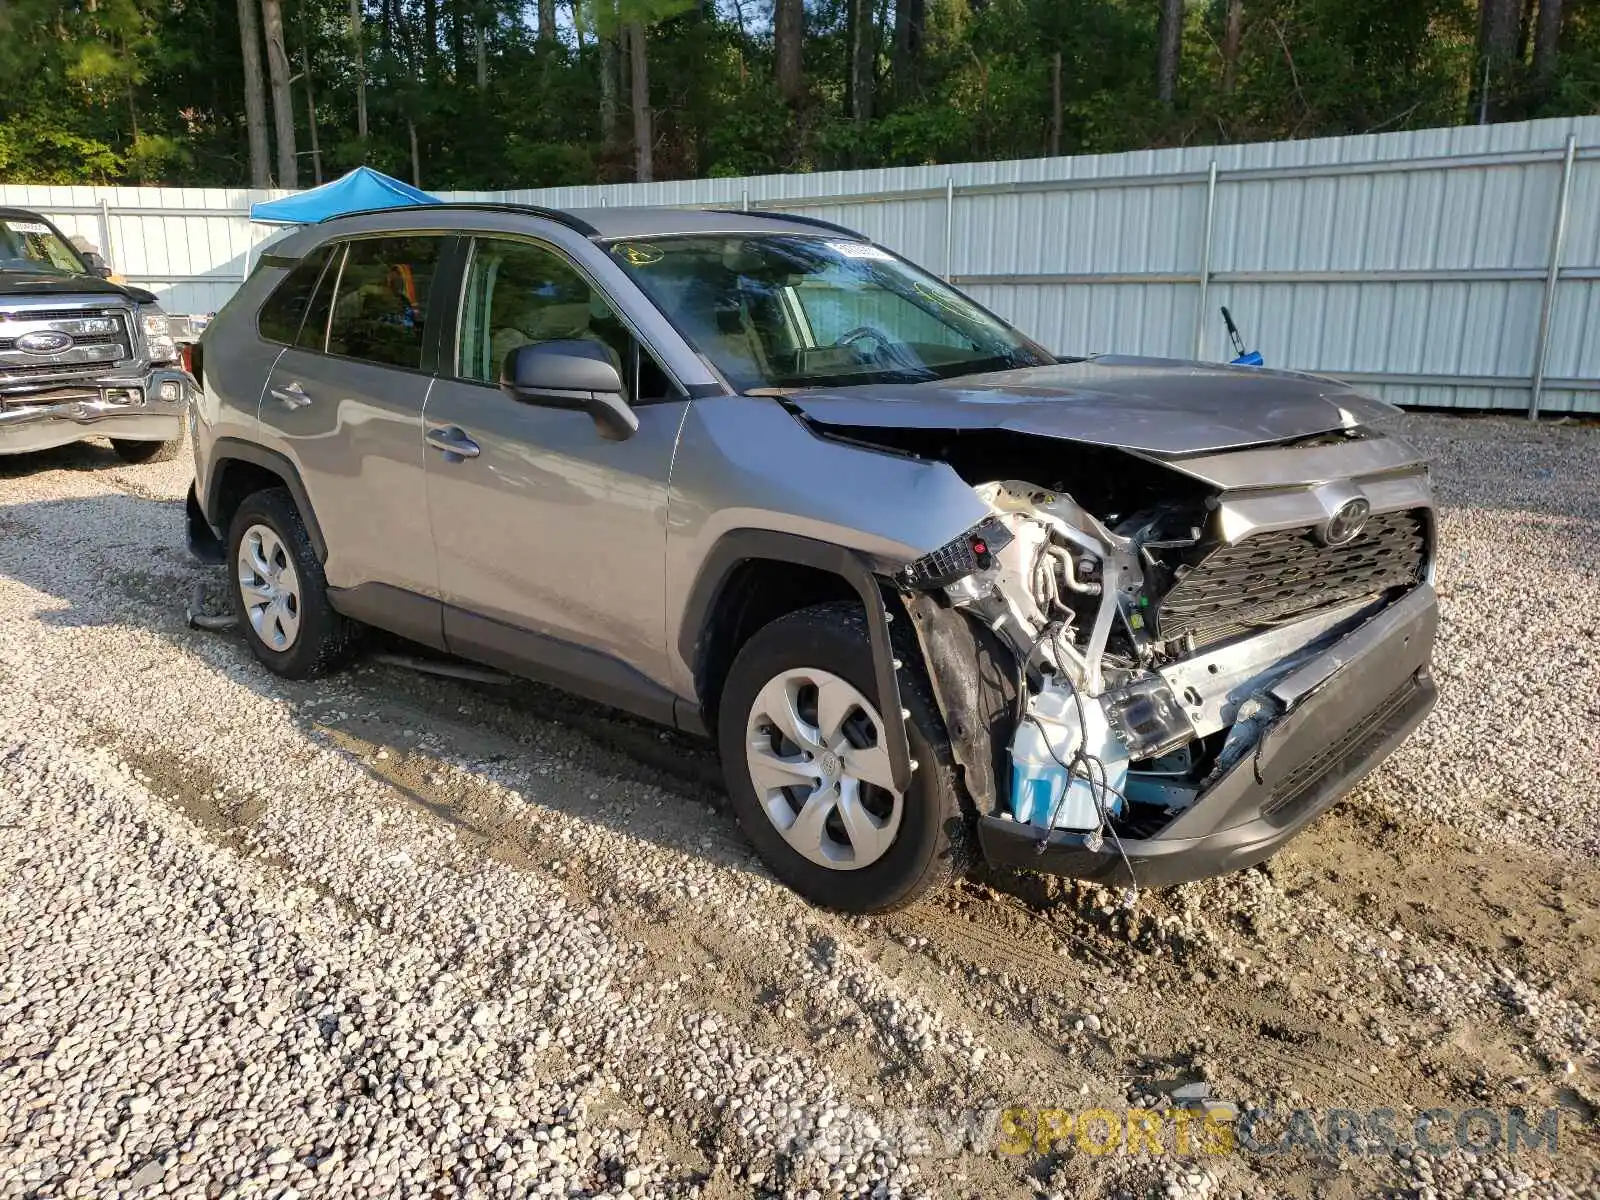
575 373
97 265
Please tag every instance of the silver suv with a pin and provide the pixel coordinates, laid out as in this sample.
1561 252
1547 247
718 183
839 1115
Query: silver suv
934 591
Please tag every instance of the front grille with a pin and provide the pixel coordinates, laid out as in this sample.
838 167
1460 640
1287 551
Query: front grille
101 338
1283 575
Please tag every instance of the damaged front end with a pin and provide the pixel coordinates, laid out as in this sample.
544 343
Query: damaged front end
1166 689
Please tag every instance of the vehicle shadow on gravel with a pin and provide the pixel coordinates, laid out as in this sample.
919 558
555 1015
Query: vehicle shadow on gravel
132 570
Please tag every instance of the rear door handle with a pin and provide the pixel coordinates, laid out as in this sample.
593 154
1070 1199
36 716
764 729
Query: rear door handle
291 395
453 440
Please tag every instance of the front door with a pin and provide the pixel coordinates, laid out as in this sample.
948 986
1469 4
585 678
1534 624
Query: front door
551 539
345 401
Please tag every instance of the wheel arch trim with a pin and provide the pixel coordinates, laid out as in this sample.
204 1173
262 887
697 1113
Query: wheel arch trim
739 546
230 449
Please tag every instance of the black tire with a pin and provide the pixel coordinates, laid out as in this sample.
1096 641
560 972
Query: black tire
931 847
325 640
147 452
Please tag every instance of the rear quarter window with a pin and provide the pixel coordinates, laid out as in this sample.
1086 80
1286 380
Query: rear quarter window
280 317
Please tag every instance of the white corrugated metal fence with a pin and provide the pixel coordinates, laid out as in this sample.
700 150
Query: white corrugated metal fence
1423 264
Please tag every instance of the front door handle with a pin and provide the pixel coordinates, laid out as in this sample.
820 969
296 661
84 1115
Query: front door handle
453 440
291 396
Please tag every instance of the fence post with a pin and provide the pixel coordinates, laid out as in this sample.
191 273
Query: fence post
744 200
1205 261
949 227
1558 237
105 232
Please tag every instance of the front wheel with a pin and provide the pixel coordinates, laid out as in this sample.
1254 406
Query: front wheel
806 760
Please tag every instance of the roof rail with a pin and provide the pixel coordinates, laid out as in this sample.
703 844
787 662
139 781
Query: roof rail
533 210
780 215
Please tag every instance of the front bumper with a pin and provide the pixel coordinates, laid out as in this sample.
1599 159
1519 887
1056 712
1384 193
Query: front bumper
148 407
1345 711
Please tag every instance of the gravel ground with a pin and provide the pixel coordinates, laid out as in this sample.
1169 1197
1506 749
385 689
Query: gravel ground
390 935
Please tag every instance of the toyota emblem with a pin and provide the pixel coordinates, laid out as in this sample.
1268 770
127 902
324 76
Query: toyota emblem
1346 524
44 341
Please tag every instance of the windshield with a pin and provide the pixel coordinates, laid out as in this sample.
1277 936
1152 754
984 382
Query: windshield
790 311
32 245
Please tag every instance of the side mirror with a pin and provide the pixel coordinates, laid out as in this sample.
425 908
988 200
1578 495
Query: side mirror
571 373
97 265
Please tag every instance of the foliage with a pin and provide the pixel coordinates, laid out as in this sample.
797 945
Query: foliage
152 90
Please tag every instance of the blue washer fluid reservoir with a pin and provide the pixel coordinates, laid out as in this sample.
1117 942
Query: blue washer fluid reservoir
1040 785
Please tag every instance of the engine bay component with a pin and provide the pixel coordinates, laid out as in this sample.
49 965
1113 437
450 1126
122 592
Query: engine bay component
973 551
1068 766
1146 717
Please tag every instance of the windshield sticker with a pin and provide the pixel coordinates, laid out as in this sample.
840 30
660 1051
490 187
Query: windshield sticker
28 226
860 250
637 254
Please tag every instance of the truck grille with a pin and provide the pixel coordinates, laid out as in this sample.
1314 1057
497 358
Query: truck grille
1276 577
40 345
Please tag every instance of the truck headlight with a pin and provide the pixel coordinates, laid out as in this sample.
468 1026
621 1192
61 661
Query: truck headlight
158 340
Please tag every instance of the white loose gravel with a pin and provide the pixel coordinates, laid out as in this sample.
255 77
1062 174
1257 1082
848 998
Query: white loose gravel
384 935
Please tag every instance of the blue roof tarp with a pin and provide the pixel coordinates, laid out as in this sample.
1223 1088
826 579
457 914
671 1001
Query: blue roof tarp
361 189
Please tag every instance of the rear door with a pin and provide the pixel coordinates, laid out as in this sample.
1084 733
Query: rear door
345 402
551 538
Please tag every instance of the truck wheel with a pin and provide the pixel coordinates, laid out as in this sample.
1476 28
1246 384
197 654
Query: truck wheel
147 452
280 593
807 766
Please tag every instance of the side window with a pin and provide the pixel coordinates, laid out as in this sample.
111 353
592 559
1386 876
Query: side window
280 317
519 293
380 308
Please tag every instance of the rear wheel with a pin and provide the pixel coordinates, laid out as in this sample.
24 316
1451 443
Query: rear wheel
280 593
806 759
146 452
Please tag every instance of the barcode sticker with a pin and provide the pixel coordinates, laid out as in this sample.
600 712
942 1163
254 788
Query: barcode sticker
861 250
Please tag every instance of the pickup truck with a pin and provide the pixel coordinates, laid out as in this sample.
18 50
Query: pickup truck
82 356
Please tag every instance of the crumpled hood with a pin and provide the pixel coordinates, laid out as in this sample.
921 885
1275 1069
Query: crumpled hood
1157 406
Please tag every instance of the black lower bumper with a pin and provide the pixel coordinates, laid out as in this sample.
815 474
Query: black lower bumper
1345 711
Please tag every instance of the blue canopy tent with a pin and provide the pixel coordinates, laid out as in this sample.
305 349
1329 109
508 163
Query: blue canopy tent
360 189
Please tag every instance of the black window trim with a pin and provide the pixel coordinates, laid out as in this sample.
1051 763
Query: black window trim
450 358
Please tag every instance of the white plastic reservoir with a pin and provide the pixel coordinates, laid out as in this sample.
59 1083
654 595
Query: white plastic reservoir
1039 783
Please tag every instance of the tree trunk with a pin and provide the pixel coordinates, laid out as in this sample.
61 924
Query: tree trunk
416 158
788 20
255 96
282 99
910 19
577 24
1169 37
1055 105
458 39
1547 40
482 50
639 90
610 75
547 22
863 51
1497 49
360 57
311 115
430 31
1232 35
